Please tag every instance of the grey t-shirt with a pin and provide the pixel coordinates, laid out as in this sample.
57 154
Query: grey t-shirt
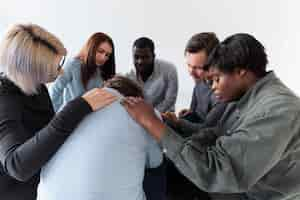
161 88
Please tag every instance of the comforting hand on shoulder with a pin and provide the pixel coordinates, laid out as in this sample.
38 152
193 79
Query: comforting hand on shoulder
99 98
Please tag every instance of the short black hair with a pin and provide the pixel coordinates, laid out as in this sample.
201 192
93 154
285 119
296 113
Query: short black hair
205 41
144 42
240 50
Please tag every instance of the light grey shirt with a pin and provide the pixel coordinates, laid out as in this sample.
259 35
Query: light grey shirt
104 158
257 151
161 87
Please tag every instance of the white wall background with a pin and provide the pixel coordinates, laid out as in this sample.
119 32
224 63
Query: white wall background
169 23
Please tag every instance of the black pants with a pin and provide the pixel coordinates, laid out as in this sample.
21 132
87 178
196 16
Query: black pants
155 183
180 188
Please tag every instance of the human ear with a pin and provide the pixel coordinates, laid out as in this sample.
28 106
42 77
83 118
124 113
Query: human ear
242 72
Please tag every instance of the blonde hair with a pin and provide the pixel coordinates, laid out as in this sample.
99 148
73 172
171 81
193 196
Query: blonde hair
27 56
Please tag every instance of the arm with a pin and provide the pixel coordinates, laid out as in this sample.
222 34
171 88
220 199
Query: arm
211 120
154 153
215 114
56 89
167 104
154 156
189 127
20 157
154 183
236 162
182 126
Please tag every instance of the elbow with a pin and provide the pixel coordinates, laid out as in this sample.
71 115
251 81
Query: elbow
56 103
20 176
16 172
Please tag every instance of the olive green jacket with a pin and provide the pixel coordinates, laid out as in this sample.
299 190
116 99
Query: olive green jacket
255 152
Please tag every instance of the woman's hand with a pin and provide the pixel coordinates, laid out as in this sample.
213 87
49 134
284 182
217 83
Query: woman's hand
170 116
184 112
144 114
98 98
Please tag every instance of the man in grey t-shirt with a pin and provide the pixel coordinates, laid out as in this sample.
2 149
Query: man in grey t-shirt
157 77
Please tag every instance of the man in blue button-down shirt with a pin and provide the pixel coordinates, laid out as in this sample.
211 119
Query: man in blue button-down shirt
105 157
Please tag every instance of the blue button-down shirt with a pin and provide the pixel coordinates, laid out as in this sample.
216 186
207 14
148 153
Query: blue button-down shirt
104 158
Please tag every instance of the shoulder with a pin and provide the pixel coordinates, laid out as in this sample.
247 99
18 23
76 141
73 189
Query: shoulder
201 88
165 66
11 99
131 75
8 88
275 99
201 85
280 102
72 65
276 92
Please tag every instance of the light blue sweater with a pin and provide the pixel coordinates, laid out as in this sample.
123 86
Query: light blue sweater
104 158
69 85
256 155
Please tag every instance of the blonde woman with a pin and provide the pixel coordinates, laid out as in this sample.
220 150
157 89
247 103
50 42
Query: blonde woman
30 132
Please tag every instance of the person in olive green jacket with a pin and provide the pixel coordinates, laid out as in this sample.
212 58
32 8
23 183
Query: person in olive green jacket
254 153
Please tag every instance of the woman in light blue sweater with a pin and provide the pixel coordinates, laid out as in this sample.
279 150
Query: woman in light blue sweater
94 64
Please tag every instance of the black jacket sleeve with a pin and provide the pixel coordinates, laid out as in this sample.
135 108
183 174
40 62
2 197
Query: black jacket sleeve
215 114
22 158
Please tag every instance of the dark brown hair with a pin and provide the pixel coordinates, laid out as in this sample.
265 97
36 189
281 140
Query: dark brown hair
125 86
206 41
87 56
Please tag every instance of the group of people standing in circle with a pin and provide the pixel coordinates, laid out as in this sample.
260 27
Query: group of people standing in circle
94 134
